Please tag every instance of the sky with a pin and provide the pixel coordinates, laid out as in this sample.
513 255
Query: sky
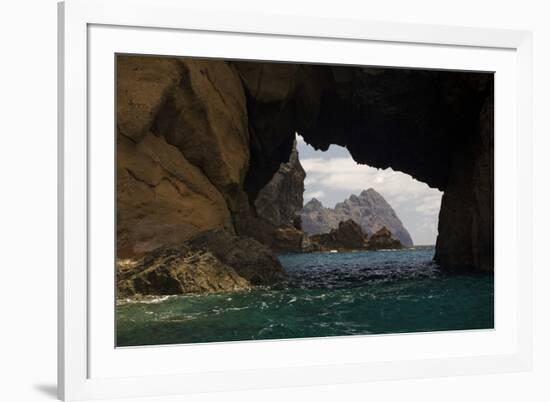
332 176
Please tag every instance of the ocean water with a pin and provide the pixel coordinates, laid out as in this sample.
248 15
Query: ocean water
327 294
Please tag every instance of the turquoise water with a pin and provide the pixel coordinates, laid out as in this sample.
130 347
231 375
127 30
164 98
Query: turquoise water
376 292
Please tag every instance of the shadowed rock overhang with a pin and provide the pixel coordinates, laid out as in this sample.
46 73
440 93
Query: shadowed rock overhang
436 126
197 140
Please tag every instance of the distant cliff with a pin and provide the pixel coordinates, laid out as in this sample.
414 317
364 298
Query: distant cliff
281 200
369 209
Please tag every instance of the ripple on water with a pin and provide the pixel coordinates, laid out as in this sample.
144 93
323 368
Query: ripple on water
325 295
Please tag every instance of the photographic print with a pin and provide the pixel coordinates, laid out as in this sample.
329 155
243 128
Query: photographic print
269 200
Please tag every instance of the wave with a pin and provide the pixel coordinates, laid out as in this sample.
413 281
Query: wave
144 299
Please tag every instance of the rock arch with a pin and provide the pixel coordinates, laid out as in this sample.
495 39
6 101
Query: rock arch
436 126
198 139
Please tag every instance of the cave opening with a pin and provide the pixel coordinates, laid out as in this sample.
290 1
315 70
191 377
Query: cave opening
435 126
317 190
377 197
210 199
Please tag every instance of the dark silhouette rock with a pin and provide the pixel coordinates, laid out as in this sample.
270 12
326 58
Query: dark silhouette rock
281 200
466 219
383 240
349 237
214 261
370 210
288 239
436 126
297 222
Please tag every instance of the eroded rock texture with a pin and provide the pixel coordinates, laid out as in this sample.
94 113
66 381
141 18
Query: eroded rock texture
182 150
177 270
252 260
282 198
198 140
213 261
436 126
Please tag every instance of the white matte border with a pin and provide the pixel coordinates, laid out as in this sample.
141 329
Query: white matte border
106 361
512 354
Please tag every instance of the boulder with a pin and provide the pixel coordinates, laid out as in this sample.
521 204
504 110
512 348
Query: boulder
176 270
252 260
288 239
214 261
383 240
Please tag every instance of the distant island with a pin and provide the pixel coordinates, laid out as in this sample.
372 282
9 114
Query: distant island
360 222
350 237
369 209
219 261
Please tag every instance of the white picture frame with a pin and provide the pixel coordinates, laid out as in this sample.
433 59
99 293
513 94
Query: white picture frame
91 32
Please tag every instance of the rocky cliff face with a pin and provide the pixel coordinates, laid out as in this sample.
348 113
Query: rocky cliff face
433 125
383 239
182 150
250 259
281 200
466 219
369 209
214 261
198 140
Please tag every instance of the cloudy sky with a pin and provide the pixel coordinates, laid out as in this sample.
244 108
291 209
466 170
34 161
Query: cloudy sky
333 176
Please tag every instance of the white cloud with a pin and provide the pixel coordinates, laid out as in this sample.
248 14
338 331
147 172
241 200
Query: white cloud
314 194
334 177
345 174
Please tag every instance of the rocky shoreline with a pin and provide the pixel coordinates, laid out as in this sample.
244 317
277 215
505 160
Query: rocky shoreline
213 262
209 183
218 262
